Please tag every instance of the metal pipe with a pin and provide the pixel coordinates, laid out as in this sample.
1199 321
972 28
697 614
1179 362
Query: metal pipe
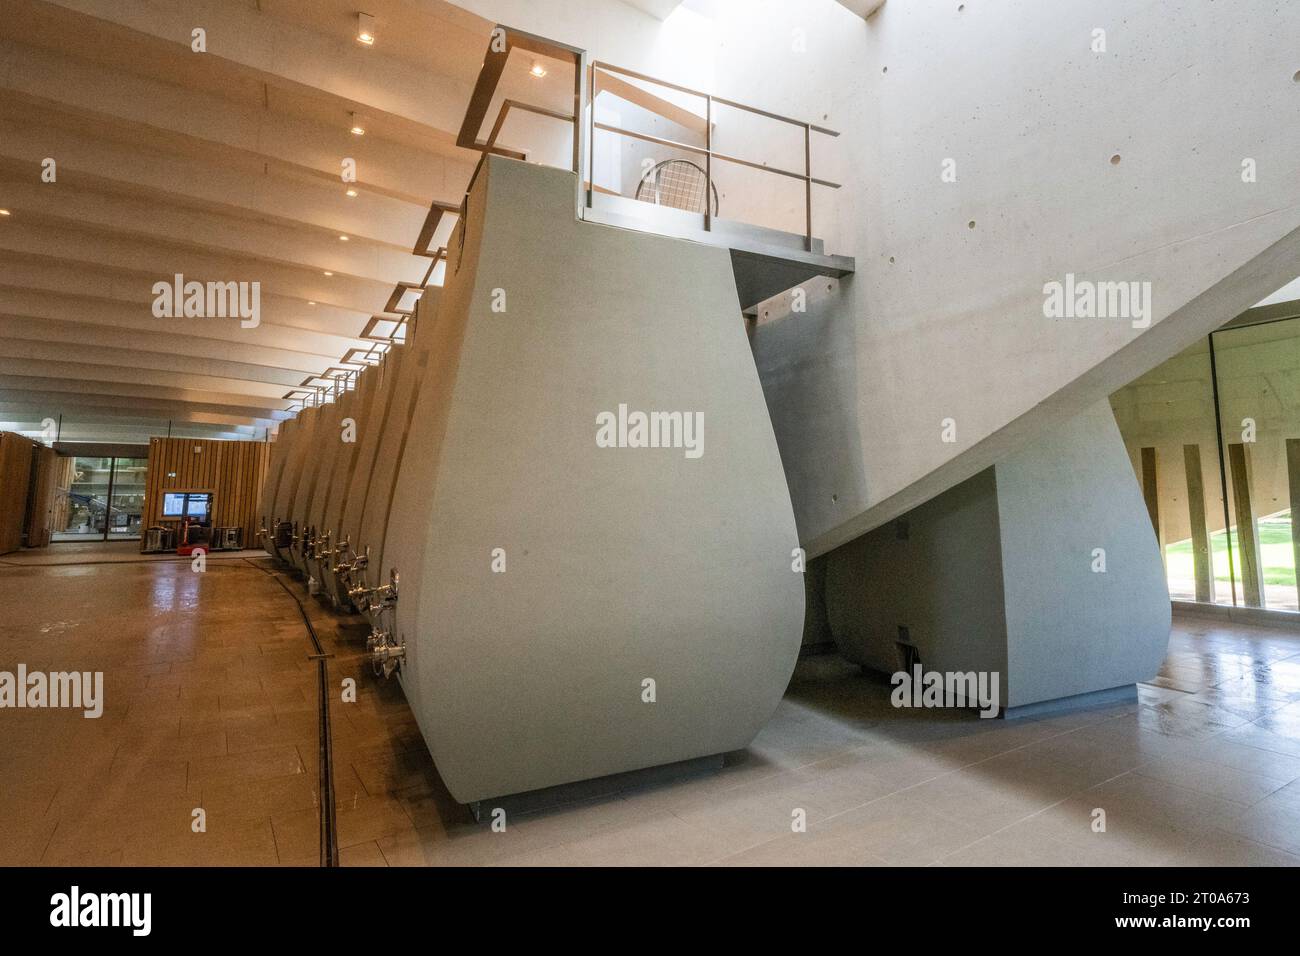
701 151
591 137
807 184
622 71
708 164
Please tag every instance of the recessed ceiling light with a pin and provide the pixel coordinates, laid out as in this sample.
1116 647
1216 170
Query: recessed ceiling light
5 212
365 29
328 273
343 238
538 70
310 302
351 194
357 128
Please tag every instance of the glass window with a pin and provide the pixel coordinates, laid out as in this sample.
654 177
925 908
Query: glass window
1258 374
1214 437
100 499
1167 420
127 504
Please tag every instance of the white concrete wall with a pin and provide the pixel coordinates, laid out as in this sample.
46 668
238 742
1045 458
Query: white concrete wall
1071 627
943 320
936 572
621 563
997 573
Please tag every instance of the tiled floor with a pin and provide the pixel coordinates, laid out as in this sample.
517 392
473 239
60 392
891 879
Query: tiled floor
211 703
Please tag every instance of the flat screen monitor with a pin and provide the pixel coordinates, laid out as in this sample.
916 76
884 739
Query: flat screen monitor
187 504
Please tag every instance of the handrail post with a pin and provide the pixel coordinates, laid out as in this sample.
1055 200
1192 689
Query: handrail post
708 163
579 80
591 133
807 184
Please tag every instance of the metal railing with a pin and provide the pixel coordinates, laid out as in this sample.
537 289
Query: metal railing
586 87
502 42
707 150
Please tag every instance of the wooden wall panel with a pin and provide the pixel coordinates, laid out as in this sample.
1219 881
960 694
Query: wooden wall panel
63 471
15 481
232 470
40 502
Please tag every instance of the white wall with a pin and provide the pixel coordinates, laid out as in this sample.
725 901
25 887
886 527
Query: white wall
997 574
943 320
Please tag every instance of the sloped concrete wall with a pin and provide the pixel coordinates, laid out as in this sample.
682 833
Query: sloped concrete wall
997 574
942 319
281 450
1072 629
403 388
370 436
622 564
937 572
1117 164
360 410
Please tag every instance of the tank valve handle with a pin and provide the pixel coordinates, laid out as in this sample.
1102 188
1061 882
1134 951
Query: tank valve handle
386 654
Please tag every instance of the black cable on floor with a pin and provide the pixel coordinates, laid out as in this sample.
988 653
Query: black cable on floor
180 559
329 847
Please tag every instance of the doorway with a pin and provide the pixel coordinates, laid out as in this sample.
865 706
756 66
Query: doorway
100 499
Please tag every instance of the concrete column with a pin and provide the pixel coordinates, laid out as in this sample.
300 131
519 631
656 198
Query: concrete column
1247 540
1202 560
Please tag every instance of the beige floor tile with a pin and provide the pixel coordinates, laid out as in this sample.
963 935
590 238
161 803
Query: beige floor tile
362 854
1215 779
207 709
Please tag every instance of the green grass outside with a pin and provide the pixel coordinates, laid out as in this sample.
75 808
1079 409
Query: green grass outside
1276 553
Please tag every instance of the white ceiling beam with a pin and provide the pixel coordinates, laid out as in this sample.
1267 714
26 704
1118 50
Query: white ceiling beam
95 372
221 166
85 411
57 342
50 390
25 141
286 322
287 55
59 380
302 247
155 261
187 119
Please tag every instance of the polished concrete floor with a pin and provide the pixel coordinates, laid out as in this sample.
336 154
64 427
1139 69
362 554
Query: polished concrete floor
211 703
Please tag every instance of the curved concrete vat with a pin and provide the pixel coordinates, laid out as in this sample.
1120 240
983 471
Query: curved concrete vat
346 462
319 455
334 458
301 513
286 495
623 564
392 444
274 473
358 495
